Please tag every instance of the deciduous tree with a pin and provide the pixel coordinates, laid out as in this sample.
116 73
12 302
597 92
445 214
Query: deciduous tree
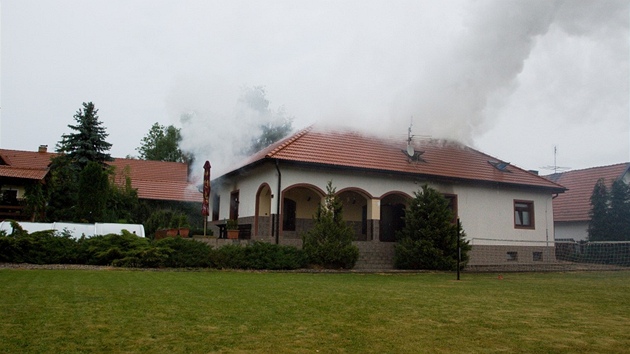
273 125
162 144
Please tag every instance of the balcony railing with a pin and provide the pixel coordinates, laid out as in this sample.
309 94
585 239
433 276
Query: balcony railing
14 212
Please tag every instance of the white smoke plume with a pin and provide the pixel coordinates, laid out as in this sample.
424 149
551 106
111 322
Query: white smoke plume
225 137
458 93
457 88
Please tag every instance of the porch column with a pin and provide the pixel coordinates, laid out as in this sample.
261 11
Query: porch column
373 219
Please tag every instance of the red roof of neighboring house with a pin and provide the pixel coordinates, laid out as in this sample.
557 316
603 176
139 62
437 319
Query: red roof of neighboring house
24 164
575 204
441 159
156 180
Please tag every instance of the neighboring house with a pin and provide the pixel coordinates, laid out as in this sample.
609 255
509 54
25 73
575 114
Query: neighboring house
154 180
571 210
19 169
506 212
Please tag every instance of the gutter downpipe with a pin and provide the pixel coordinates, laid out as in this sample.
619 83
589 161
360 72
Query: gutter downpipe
277 230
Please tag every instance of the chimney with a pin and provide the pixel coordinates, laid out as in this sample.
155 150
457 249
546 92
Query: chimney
43 148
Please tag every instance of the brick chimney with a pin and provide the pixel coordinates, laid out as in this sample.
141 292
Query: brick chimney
42 148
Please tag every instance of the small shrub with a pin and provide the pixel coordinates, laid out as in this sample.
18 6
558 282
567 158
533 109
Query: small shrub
260 255
229 257
42 247
183 253
329 243
104 249
152 257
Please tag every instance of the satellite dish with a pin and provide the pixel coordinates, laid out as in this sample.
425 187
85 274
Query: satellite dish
410 151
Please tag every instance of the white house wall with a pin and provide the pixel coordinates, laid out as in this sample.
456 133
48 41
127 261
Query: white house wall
486 213
576 230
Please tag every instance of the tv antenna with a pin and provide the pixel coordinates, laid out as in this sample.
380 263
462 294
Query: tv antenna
555 168
411 152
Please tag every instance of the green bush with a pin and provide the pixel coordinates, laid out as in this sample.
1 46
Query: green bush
230 257
259 255
129 250
152 257
105 249
185 253
43 247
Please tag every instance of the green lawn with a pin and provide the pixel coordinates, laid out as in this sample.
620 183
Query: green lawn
114 311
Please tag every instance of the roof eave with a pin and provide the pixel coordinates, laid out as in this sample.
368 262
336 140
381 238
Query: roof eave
261 161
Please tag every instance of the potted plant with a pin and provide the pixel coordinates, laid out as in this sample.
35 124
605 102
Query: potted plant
179 221
231 226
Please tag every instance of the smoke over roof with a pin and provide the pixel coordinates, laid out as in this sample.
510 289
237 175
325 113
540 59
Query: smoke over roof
476 71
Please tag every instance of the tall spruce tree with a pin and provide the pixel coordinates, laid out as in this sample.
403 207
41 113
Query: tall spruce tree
329 243
429 238
598 227
88 142
619 212
78 192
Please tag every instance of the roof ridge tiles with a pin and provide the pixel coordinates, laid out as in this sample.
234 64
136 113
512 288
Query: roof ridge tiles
591 168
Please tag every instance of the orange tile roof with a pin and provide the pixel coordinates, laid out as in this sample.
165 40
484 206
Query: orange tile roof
23 173
575 204
156 180
24 164
441 159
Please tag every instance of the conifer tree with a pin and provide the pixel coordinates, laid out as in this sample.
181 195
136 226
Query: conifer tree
329 243
429 238
619 212
88 142
598 227
79 187
93 193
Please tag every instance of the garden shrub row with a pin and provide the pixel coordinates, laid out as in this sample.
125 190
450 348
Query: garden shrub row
129 250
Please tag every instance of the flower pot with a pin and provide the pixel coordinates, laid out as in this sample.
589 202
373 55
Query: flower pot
232 234
171 232
160 234
184 232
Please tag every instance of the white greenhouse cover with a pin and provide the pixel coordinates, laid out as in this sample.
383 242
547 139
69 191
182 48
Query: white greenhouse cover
76 230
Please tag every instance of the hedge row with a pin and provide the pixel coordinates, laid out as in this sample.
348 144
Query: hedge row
129 250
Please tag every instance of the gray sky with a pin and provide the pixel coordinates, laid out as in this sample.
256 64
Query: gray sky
510 78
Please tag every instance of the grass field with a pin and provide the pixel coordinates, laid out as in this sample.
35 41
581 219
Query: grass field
119 311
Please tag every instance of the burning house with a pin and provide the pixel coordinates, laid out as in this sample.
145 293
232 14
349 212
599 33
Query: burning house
506 212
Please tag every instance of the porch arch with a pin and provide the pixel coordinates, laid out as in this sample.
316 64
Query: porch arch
262 219
299 205
393 205
356 210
